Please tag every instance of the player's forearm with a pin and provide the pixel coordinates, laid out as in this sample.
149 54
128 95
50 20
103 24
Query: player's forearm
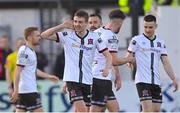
169 70
108 60
116 72
16 79
42 74
8 78
120 61
51 32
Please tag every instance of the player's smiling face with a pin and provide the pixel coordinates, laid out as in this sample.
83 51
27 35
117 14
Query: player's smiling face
149 28
79 23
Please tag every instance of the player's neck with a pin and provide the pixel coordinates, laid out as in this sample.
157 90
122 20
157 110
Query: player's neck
109 26
81 34
150 37
31 46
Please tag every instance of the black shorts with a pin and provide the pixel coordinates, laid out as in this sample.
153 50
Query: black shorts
29 101
149 92
79 91
102 92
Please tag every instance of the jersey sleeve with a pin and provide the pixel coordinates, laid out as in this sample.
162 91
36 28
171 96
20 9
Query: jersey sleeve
22 58
163 50
112 43
101 44
61 36
132 46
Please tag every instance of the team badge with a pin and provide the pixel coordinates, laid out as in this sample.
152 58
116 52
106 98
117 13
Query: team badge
64 33
73 93
90 41
99 40
164 46
158 44
145 92
133 42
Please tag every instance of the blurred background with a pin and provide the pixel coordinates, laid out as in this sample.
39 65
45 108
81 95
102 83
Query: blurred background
16 15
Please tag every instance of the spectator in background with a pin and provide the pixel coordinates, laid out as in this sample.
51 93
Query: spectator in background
10 65
59 64
4 52
42 60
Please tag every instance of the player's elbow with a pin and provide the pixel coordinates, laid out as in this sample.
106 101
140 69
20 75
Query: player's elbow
115 62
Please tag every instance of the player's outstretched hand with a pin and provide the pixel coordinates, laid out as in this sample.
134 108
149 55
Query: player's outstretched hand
53 78
105 72
10 91
176 85
117 84
14 97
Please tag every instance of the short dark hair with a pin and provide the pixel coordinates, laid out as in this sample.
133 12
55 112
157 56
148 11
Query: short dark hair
95 14
117 14
150 18
28 31
81 13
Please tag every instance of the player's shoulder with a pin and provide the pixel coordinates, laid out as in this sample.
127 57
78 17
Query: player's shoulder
67 32
22 48
159 39
138 37
93 34
105 31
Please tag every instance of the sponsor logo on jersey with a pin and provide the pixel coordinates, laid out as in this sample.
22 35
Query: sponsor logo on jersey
82 47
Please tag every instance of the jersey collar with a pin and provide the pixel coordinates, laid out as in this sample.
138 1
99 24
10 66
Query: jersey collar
105 28
149 38
84 35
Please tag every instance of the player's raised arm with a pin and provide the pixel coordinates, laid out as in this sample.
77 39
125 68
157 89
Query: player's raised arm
50 33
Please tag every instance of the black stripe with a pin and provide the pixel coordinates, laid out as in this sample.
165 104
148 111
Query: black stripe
152 64
80 62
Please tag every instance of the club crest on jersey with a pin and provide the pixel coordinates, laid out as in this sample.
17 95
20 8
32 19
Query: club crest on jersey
73 93
158 44
64 33
99 40
164 46
145 92
90 41
133 42
23 55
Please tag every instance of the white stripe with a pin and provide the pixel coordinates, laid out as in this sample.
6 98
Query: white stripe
95 102
142 98
32 107
75 98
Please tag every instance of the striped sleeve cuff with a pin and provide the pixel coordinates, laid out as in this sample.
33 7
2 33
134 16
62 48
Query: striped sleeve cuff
103 50
20 65
57 37
164 55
